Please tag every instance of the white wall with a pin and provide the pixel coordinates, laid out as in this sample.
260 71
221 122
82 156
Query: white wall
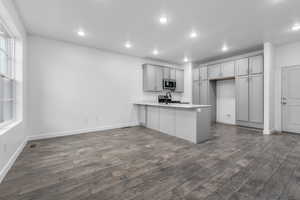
14 137
226 101
269 73
77 89
286 55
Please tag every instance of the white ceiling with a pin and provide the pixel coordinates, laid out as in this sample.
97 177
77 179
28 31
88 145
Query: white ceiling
241 24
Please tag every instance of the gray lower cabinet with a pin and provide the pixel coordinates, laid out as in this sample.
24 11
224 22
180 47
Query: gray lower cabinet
256 98
179 80
250 100
196 92
203 100
242 98
152 78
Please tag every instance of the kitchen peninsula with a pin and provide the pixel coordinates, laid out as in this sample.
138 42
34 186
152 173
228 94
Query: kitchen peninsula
186 121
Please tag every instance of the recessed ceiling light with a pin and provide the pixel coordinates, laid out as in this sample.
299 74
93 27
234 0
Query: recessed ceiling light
185 59
155 52
1 32
81 33
163 19
193 34
224 48
128 45
296 27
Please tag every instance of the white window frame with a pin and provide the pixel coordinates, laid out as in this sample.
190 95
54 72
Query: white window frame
10 75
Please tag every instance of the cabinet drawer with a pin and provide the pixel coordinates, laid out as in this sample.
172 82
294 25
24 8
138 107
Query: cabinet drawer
214 71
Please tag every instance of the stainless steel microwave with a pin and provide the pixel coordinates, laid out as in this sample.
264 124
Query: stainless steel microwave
169 84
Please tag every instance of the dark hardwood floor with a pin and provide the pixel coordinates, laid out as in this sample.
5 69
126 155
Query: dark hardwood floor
138 163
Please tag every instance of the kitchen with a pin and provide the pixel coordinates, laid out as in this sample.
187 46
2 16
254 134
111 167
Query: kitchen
112 99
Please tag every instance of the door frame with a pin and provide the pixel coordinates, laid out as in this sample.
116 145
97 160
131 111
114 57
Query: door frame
282 70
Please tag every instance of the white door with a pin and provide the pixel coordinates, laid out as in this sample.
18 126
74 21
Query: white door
290 99
226 101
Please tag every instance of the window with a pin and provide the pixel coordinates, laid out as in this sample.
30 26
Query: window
7 78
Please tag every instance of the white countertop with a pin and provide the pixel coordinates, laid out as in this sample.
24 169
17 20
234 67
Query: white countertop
172 105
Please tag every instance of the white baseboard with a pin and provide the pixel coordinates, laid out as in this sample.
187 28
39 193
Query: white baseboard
12 160
268 132
80 131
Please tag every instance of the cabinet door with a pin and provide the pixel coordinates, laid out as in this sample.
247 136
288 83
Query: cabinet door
173 74
153 118
196 74
227 69
203 73
214 71
179 80
196 92
203 92
149 78
256 65
256 98
159 79
166 72
167 118
242 67
242 89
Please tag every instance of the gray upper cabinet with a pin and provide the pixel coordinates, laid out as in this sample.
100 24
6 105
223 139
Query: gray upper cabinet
196 75
152 78
256 98
242 67
179 80
227 69
196 92
172 73
166 73
214 71
256 64
242 90
169 73
203 73
203 93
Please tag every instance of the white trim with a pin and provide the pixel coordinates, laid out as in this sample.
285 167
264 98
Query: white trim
268 132
231 58
12 160
8 125
79 131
